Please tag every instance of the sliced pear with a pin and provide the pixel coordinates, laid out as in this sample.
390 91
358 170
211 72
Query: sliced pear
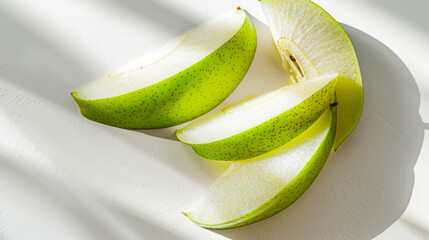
250 191
181 81
311 43
261 124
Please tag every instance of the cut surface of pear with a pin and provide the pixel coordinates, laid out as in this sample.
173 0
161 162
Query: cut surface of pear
181 81
312 43
253 190
261 124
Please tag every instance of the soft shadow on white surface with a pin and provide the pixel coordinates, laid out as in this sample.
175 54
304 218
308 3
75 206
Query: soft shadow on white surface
152 10
38 118
405 229
416 228
33 202
366 185
35 63
142 227
414 13
148 180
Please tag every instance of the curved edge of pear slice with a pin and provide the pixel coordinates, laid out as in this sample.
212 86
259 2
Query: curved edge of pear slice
184 96
270 134
350 108
295 187
349 88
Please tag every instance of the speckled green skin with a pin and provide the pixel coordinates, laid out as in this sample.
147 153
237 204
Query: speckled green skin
349 91
292 191
182 97
270 134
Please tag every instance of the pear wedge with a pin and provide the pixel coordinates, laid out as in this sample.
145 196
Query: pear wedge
250 191
261 124
311 43
181 81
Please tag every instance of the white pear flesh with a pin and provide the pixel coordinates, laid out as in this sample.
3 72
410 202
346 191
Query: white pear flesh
250 113
178 83
313 37
312 43
250 191
177 55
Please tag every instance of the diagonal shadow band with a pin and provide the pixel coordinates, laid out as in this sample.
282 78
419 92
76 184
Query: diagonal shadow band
39 64
151 10
416 227
365 186
40 189
36 63
141 226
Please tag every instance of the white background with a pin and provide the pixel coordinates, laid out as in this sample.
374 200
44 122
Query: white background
65 177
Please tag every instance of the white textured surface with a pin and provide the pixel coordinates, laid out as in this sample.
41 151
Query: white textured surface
65 177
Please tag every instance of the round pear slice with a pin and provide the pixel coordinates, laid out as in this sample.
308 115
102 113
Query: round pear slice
250 191
179 82
261 124
312 43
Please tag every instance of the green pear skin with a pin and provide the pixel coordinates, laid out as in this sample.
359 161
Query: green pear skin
181 97
293 190
349 88
270 134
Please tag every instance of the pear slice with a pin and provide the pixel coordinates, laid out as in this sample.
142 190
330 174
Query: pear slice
250 191
261 124
181 81
311 43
